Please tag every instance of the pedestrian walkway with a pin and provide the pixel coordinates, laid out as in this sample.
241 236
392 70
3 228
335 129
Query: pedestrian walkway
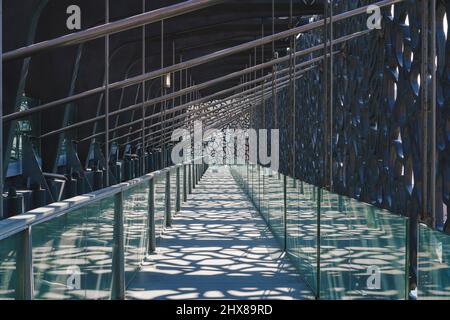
218 248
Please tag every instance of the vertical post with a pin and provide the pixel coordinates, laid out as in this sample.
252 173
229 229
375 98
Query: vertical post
273 26
181 81
292 90
167 200
319 199
151 216
25 266
107 95
330 98
246 179
325 181
255 55
424 101
189 178
274 96
143 93
193 175
184 183
285 211
197 173
163 103
414 218
178 198
192 127
258 204
186 98
434 221
173 74
274 75
1 111
118 272
262 82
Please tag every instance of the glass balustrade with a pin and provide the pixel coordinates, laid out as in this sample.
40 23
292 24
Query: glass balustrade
433 264
342 248
80 253
9 253
173 191
160 205
135 215
302 229
363 250
276 205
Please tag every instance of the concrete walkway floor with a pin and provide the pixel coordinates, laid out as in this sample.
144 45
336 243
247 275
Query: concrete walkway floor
218 248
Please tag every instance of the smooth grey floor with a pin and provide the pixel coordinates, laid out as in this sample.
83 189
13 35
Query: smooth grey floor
218 248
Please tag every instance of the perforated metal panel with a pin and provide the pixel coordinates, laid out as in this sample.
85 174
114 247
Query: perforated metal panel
377 118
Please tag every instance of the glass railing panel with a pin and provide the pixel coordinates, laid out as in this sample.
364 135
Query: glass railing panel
254 183
301 229
238 174
260 187
292 218
59 250
266 172
257 182
245 178
173 190
363 253
242 175
135 215
241 169
181 185
433 264
142 226
250 180
72 254
99 243
276 205
8 267
259 172
160 204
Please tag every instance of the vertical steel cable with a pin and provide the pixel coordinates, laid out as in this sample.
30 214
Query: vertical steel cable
143 93
433 115
107 95
330 99
425 107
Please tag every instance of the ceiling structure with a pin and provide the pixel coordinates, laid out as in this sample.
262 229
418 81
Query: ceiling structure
62 72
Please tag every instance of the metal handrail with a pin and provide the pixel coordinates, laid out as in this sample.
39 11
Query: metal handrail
204 85
235 111
16 224
110 28
22 224
255 93
201 60
256 98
